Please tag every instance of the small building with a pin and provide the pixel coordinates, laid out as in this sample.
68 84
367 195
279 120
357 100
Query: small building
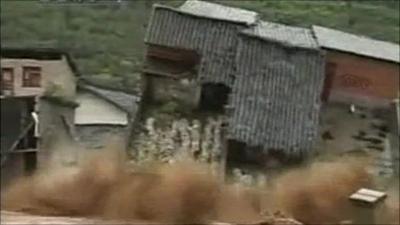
191 52
267 78
37 97
359 70
103 114
275 102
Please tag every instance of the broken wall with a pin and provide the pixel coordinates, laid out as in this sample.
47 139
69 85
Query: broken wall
56 128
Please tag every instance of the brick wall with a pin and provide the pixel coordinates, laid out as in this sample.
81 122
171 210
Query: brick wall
362 80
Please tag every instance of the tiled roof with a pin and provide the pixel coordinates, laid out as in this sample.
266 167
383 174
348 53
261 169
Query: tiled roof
215 40
275 100
360 45
287 35
122 100
217 11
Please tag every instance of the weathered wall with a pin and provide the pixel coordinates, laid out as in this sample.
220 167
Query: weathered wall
53 133
98 136
184 91
95 110
363 80
276 96
55 72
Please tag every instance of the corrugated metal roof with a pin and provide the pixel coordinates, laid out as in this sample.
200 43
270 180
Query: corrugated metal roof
287 35
276 97
217 11
360 45
125 101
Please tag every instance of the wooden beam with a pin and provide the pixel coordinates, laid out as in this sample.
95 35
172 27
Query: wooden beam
19 151
161 74
15 144
368 196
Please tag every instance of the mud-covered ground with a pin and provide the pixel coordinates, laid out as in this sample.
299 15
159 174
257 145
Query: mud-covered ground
104 186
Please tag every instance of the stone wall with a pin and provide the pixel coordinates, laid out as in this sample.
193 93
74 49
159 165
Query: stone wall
184 139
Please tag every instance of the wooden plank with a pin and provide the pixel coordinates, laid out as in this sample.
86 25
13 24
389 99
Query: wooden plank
368 196
174 54
369 192
364 198
15 144
160 73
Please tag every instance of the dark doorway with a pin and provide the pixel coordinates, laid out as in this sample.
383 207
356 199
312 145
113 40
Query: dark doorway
236 152
214 96
30 162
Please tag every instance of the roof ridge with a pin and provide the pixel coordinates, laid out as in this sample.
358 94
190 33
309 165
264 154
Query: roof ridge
195 12
356 44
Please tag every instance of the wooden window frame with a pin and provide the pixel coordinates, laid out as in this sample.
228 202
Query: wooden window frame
28 74
7 85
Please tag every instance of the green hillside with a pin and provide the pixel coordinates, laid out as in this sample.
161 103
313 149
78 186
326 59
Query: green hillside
106 38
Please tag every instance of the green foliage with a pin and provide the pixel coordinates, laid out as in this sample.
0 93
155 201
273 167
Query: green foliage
108 38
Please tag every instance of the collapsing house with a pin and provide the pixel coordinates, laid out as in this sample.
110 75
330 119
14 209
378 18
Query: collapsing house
191 52
267 77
